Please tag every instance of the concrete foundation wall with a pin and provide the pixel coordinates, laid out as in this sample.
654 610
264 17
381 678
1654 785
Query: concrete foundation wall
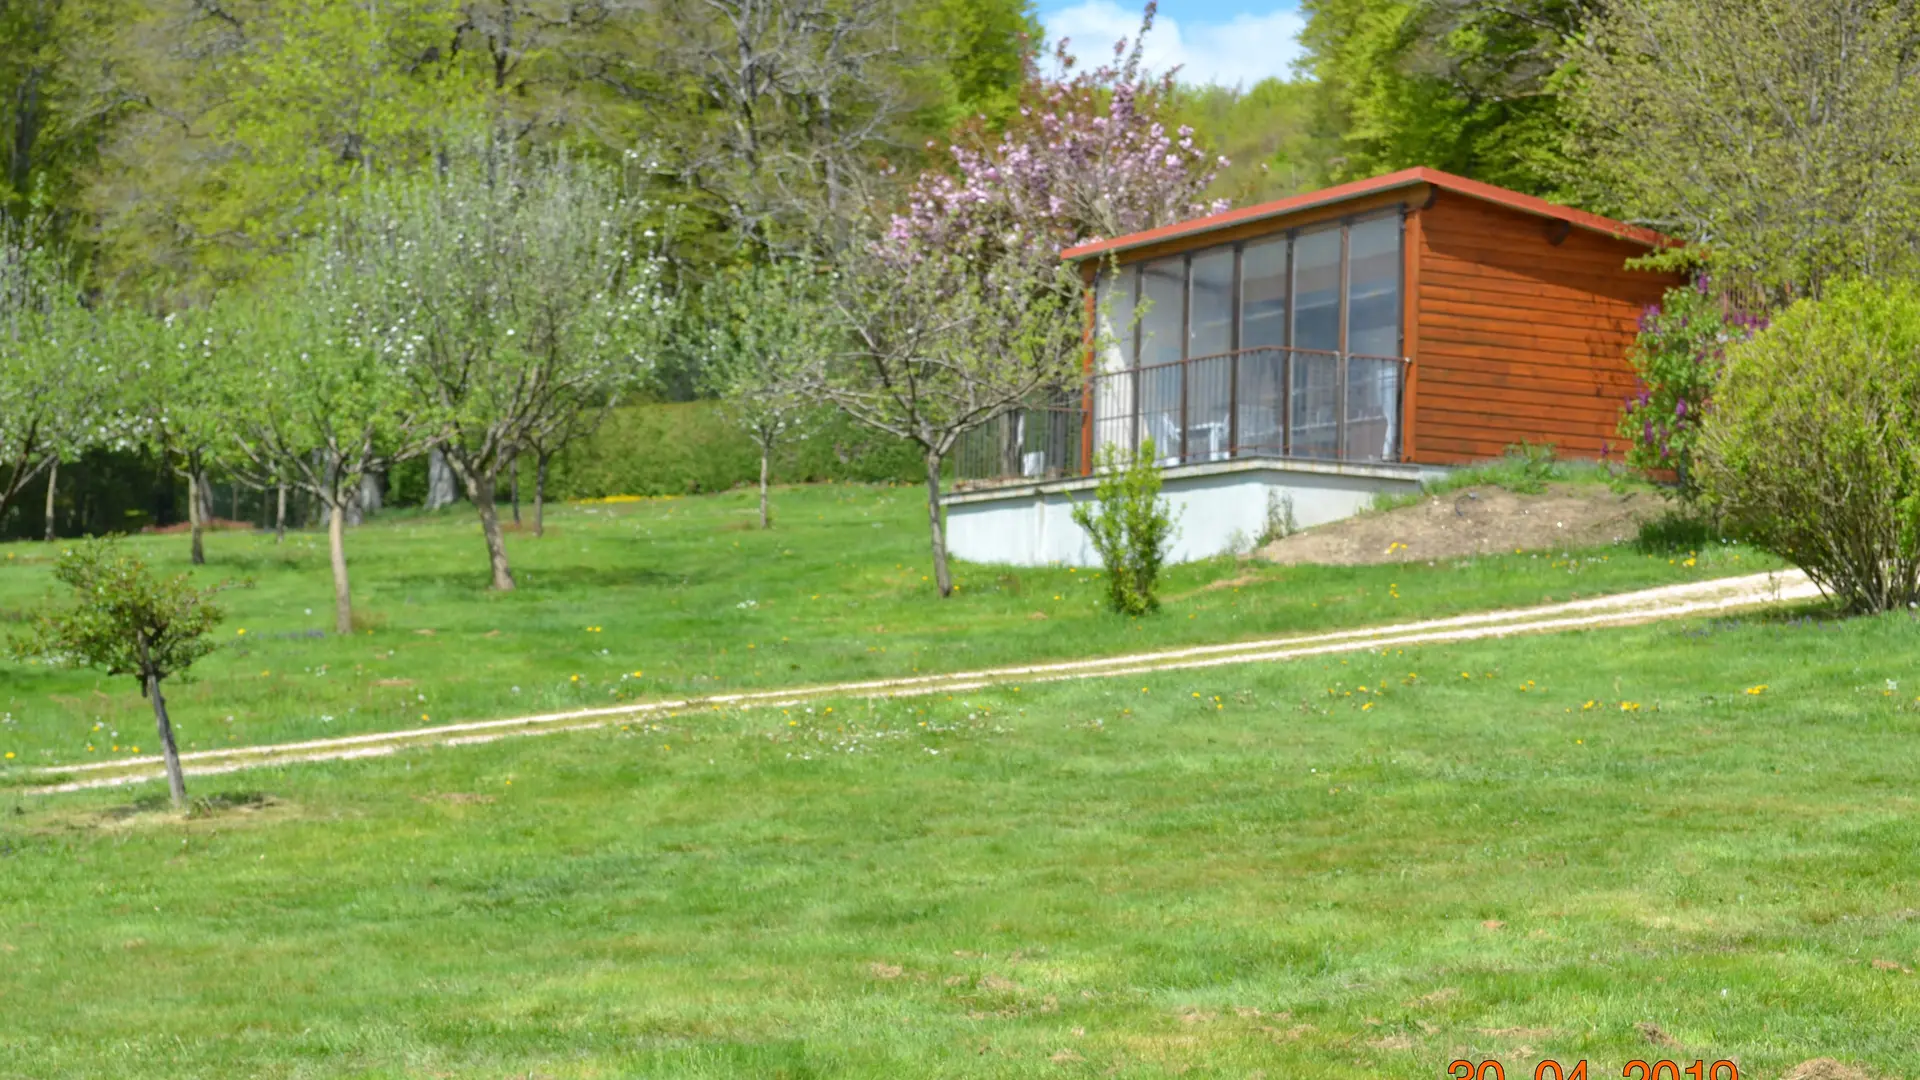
1218 508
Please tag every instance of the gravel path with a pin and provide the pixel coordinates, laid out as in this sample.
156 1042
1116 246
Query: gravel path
1624 609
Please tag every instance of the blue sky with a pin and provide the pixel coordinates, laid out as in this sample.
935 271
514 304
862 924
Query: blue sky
1231 42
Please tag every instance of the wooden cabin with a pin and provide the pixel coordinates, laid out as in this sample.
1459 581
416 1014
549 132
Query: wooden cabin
1368 332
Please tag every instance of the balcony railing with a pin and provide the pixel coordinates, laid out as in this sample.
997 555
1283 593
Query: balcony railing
1255 403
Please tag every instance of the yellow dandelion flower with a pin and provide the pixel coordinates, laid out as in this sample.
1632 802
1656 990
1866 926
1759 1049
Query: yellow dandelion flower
1756 691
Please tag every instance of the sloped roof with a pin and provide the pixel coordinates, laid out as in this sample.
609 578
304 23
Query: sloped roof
1343 192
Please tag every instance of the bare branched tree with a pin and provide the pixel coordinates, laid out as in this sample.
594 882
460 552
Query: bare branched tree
784 105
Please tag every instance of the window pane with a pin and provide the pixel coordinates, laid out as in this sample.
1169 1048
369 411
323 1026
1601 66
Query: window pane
1160 411
1316 291
1163 293
1263 294
1210 311
1113 299
1316 325
1261 374
1373 287
1209 398
1373 410
1316 402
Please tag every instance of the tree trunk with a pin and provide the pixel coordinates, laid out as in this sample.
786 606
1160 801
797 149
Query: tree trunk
482 496
941 576
53 481
766 522
337 552
540 494
280 515
176 780
206 496
440 480
195 517
513 487
373 493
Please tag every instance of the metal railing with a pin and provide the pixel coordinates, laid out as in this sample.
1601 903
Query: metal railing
1255 403
1040 442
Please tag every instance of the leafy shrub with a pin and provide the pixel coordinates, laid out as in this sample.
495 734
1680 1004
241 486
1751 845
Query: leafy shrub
1679 356
1531 466
1813 449
1130 527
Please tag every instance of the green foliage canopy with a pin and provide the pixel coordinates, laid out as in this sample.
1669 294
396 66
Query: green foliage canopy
1468 87
1779 134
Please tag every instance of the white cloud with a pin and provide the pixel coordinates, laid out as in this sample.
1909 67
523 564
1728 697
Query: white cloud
1241 51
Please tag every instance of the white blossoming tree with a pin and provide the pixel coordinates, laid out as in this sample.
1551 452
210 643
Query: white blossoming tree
771 329
57 377
315 407
511 290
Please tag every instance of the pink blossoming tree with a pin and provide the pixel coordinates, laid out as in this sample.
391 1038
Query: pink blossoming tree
961 309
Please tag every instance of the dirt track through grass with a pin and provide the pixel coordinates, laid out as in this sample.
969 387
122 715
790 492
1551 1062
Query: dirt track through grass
1647 605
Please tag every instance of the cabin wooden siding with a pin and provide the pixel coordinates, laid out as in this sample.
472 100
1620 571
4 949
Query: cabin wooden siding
1515 337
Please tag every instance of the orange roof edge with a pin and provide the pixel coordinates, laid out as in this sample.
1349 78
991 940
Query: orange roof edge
1373 185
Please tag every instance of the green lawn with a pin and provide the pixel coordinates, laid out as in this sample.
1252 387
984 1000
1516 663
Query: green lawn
1246 871
684 596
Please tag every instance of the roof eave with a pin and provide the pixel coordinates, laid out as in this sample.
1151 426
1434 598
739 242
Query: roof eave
1348 192
1225 220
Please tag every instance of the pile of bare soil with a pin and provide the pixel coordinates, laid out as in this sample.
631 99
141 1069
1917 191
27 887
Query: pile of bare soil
1473 521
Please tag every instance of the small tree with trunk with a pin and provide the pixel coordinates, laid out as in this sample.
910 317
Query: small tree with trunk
130 622
318 408
771 329
511 290
175 396
546 439
940 343
56 378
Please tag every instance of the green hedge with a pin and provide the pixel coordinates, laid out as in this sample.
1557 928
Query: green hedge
687 448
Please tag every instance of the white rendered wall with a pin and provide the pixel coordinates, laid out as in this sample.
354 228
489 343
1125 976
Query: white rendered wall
1217 509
